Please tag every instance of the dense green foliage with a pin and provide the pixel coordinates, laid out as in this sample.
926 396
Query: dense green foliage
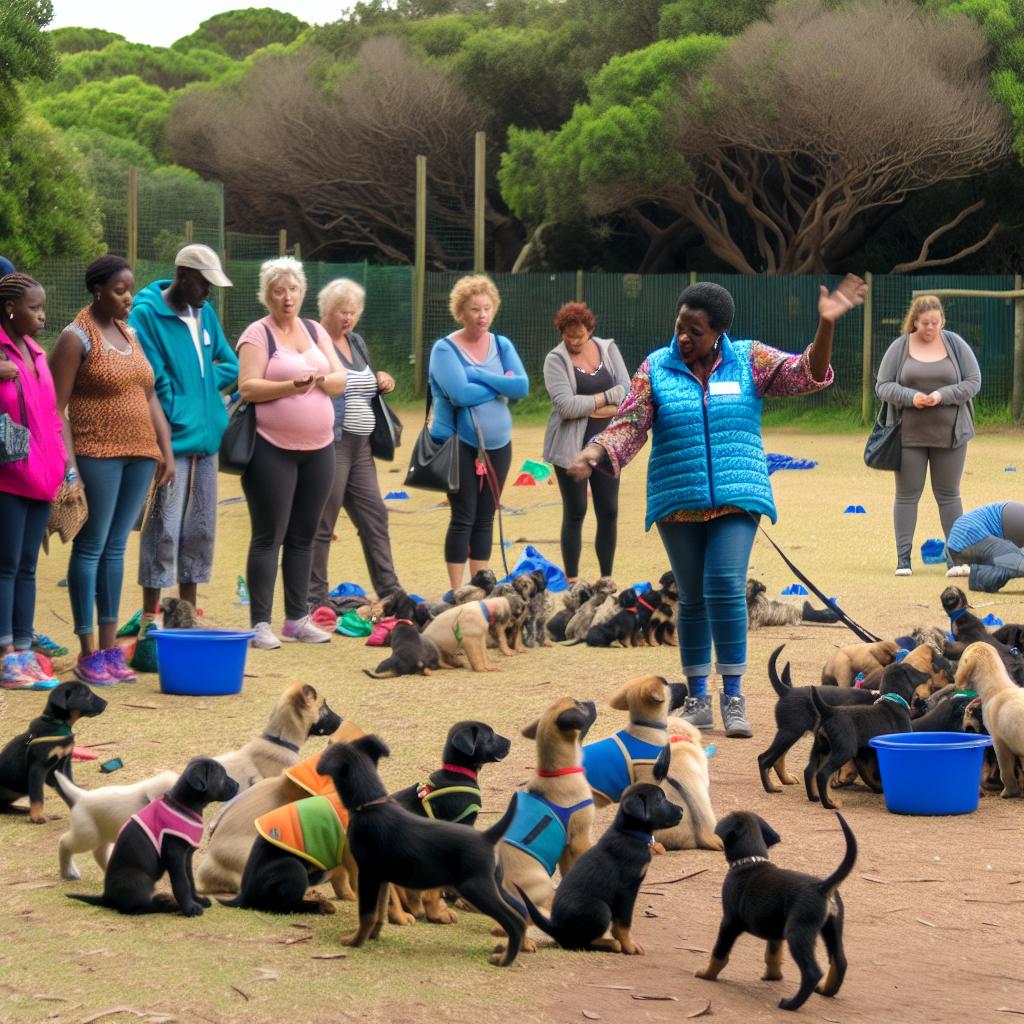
237 34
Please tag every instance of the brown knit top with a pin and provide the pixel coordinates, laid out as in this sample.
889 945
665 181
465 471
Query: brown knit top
109 406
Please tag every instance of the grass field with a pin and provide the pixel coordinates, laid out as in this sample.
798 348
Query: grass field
935 936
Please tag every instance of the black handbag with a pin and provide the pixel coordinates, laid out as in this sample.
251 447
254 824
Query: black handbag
884 447
435 464
238 441
14 436
387 427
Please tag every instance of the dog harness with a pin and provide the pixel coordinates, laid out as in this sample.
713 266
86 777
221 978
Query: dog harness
166 817
895 698
610 764
426 792
61 731
305 776
541 828
313 829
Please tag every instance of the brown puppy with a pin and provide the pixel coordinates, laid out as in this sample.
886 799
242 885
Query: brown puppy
556 810
507 636
688 784
843 664
1002 708
464 630
924 659
661 626
579 625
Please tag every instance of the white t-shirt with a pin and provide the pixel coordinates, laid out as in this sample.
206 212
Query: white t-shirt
191 321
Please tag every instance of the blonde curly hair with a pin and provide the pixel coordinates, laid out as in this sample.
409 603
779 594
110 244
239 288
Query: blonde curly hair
466 288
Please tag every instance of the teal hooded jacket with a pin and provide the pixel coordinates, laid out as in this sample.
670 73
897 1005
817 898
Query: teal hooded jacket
191 400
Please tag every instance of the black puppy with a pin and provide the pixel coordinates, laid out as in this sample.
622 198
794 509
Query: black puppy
622 627
660 627
162 837
844 732
600 889
967 628
411 654
398 604
390 844
452 794
29 760
774 904
795 714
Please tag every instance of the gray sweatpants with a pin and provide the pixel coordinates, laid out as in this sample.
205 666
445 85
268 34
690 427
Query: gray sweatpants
947 467
357 491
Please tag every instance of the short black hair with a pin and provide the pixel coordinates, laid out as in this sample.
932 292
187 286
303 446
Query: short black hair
713 299
102 269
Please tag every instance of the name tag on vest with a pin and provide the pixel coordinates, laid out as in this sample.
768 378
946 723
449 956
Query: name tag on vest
724 387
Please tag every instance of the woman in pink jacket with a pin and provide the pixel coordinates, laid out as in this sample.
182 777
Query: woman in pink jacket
27 486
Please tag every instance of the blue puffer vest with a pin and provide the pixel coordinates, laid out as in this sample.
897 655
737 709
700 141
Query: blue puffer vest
706 448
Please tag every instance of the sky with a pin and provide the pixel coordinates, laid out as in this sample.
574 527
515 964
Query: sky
160 22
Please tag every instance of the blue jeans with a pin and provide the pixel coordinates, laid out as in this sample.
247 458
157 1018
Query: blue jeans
709 561
22 525
116 492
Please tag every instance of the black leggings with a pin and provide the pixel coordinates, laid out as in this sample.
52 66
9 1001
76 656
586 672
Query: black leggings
286 491
471 530
605 490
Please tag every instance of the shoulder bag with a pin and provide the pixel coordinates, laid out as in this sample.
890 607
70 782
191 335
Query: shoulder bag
884 448
238 441
387 427
435 464
14 436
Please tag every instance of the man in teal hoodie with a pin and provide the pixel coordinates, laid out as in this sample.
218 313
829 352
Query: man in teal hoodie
193 363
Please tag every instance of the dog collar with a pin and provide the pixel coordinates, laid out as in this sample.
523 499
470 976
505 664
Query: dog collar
375 803
485 611
747 860
649 607
294 747
648 724
679 739
953 616
578 770
459 770
970 694
634 833
182 809
895 698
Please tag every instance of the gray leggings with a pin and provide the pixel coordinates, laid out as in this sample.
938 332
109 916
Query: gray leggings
947 467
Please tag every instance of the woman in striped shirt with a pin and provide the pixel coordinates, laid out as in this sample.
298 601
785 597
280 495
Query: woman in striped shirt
356 489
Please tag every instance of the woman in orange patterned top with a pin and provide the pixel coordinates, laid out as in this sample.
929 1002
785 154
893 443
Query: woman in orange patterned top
120 437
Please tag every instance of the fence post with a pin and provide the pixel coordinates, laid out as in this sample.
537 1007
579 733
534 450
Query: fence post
866 371
282 242
479 200
1018 352
189 231
419 273
579 286
133 216
693 277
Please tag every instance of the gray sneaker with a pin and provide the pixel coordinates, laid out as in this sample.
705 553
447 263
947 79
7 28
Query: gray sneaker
697 711
264 638
734 717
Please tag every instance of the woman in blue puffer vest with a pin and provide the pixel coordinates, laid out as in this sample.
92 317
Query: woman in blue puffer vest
707 479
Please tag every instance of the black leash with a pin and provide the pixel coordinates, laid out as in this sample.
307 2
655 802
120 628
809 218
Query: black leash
854 627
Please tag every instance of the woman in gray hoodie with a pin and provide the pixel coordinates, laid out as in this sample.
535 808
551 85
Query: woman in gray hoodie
931 376
586 380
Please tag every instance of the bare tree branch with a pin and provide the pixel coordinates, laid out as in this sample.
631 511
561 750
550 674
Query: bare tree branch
923 261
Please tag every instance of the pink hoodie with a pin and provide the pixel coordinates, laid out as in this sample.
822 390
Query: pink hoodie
38 476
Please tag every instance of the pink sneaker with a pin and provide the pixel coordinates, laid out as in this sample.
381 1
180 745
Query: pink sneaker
35 668
117 667
14 674
304 632
92 669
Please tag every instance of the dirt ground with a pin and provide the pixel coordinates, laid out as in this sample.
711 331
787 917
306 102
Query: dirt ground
934 905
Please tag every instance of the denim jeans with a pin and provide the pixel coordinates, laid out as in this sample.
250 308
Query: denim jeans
22 525
115 490
709 561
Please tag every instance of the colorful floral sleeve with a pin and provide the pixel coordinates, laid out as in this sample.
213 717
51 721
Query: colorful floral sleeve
784 374
627 432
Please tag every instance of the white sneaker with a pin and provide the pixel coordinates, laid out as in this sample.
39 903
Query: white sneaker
303 631
958 570
264 638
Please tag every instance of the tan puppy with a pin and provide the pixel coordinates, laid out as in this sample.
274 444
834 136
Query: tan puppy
98 814
556 810
925 659
464 630
579 625
507 636
688 784
1002 708
843 664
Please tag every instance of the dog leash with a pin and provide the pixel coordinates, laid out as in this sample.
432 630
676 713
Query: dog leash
492 481
854 627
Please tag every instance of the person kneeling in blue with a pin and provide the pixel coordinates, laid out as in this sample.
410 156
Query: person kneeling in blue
707 478
987 544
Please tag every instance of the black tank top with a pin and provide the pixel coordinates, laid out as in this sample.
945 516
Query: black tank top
593 384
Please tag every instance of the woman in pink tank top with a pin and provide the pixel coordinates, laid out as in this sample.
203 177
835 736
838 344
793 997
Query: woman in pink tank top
288 369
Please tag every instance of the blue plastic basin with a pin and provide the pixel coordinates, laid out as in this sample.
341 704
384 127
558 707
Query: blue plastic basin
931 772
201 662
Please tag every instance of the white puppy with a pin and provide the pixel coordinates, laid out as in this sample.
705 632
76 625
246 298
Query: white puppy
98 814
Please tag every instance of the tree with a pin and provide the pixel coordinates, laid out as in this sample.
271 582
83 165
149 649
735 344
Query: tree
335 161
239 33
788 147
156 65
692 17
25 52
74 39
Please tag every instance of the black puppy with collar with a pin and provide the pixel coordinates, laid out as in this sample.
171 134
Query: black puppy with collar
600 889
796 714
411 654
967 629
391 844
778 905
623 627
29 760
843 732
141 858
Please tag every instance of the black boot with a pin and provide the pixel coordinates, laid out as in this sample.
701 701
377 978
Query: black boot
810 614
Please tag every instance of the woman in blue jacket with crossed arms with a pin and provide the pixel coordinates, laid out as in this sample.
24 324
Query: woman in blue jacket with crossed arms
473 374
707 478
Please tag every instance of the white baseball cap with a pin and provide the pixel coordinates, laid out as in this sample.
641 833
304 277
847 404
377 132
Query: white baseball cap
205 260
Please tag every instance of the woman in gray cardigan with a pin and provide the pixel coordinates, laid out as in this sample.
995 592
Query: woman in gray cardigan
586 381
931 376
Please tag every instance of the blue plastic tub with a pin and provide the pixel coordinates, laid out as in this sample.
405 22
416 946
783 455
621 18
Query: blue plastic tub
931 772
201 662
